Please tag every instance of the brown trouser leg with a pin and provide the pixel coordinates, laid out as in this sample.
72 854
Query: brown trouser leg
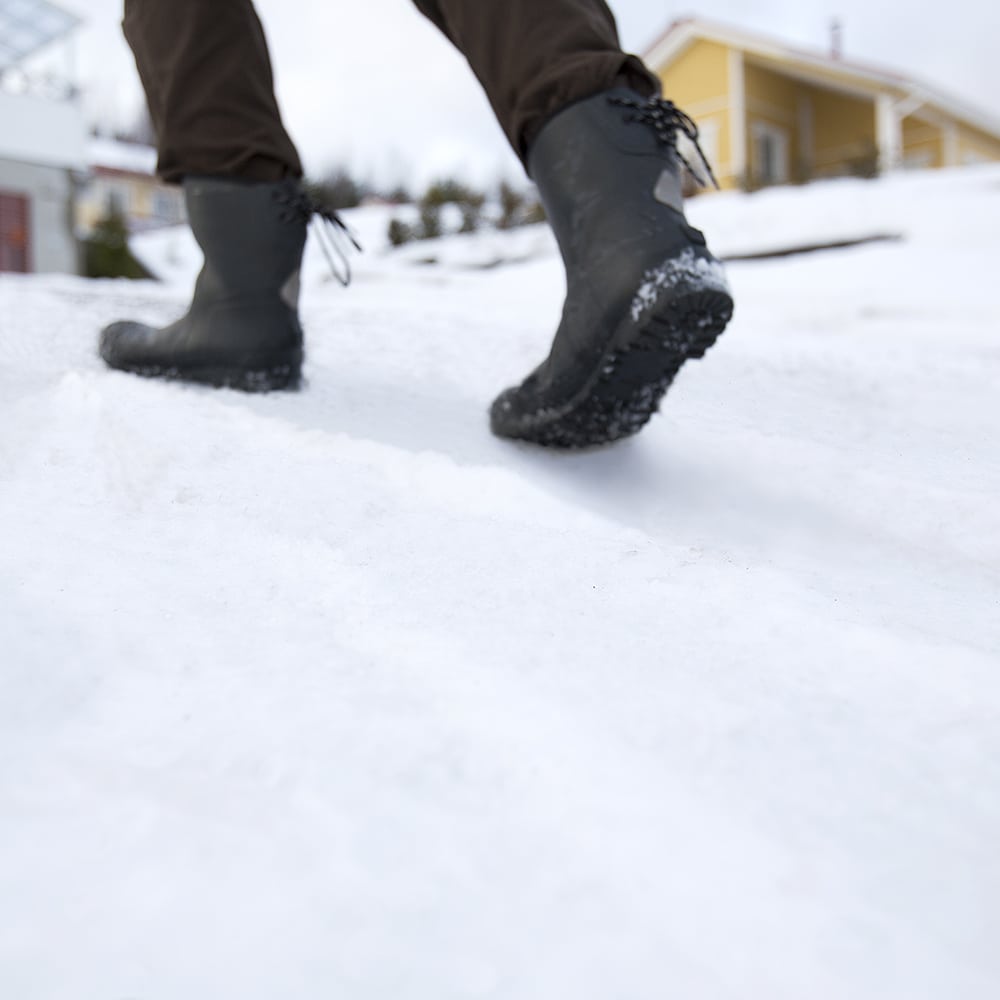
208 80
207 75
534 57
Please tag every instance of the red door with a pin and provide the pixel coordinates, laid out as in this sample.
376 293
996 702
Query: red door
15 239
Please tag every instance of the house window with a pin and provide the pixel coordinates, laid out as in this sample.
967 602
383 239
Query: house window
971 157
115 203
770 154
919 159
15 236
166 206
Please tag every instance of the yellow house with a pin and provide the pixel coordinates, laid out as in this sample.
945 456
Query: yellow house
122 178
772 114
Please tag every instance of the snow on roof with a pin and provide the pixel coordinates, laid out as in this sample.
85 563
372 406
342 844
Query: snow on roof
130 157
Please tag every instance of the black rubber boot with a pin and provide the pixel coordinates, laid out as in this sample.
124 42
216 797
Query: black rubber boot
643 292
242 329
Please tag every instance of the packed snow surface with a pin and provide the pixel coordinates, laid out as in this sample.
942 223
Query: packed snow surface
333 695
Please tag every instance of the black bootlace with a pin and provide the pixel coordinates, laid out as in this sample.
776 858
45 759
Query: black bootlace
666 119
334 236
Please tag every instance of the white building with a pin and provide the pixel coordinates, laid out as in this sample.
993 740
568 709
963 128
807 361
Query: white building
42 144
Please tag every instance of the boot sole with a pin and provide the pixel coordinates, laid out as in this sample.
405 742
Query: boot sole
633 375
286 376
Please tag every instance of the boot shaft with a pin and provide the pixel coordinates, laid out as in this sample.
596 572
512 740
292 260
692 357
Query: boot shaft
607 175
252 235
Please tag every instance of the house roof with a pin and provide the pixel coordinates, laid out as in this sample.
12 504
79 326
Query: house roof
850 74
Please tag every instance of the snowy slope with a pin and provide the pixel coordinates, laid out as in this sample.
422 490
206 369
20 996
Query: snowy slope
334 695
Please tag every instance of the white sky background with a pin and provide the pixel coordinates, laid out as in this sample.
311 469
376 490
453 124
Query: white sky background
373 84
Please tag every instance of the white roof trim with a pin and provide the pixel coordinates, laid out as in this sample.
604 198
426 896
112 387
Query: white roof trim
857 78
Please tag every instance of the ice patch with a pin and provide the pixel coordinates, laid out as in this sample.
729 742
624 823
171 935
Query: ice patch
696 273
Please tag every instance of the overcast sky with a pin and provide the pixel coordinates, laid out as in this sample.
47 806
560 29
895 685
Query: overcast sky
371 83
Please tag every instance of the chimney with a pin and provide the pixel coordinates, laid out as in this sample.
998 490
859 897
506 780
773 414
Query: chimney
836 39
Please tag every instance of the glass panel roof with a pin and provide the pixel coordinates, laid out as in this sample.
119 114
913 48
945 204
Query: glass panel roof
29 25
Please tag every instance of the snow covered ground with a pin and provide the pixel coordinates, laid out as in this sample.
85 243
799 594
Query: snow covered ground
332 695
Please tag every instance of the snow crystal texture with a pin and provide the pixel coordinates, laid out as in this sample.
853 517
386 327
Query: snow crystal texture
333 695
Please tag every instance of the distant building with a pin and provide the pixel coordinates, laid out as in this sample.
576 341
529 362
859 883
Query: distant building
772 114
122 178
42 144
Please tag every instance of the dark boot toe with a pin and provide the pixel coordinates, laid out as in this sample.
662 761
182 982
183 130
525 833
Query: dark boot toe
119 342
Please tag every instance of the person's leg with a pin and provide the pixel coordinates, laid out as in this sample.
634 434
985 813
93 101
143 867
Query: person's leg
207 76
535 57
644 294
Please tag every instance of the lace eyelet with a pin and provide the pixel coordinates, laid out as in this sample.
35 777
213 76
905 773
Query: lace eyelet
666 120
